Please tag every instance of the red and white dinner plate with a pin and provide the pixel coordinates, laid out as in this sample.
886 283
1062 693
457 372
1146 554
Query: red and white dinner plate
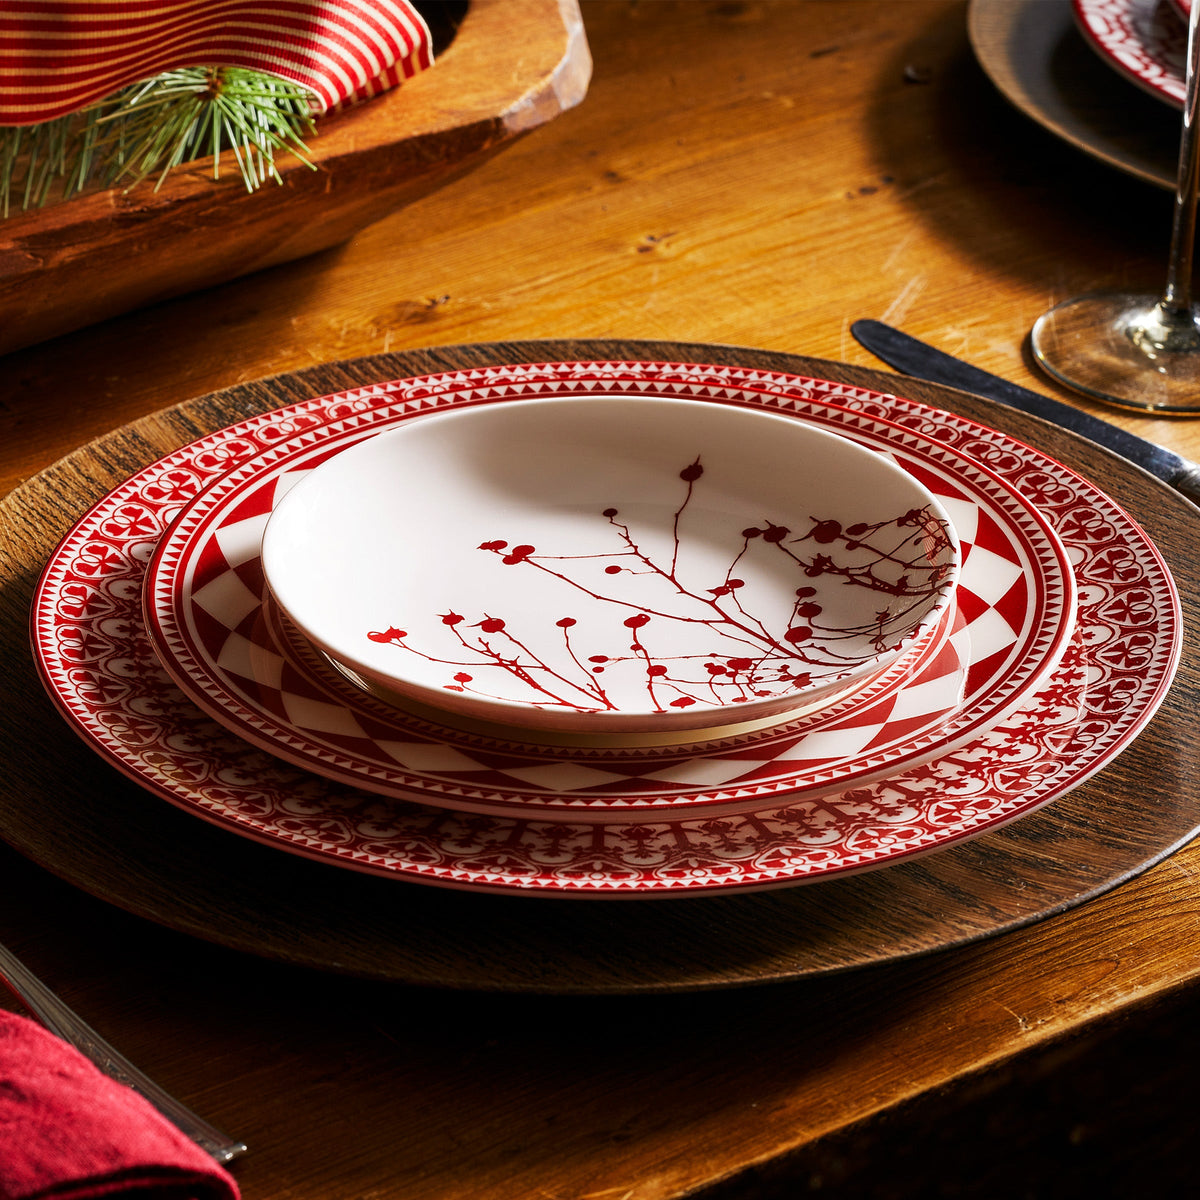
1144 40
101 669
1015 597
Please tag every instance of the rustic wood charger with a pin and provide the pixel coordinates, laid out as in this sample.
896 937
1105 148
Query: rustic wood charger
72 813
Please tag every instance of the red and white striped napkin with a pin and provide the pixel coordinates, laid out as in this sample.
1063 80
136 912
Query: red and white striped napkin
58 56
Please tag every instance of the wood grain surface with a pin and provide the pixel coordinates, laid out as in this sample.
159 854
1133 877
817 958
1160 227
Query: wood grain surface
742 173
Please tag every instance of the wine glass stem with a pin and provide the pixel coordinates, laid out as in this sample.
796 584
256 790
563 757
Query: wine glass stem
1177 298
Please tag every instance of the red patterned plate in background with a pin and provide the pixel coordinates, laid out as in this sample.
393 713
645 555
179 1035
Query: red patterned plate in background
1144 40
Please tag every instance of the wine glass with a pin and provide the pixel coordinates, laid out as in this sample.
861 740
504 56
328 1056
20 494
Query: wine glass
1138 350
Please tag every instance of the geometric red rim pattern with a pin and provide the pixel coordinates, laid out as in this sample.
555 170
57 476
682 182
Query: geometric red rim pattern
1016 595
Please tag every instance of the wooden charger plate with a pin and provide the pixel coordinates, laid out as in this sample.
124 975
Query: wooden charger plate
66 809
502 70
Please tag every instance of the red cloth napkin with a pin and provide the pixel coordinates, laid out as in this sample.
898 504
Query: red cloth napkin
68 1132
58 56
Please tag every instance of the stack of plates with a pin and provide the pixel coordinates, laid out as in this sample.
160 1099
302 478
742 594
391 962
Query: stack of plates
158 638
1107 76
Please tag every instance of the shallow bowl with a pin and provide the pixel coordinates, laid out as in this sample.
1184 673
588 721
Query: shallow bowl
608 564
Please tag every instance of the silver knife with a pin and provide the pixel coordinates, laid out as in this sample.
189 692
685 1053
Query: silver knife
912 357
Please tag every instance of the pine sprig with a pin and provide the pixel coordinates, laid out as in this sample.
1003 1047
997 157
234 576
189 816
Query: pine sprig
34 158
185 114
151 128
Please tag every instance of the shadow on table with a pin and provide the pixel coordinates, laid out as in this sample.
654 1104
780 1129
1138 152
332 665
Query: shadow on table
1061 203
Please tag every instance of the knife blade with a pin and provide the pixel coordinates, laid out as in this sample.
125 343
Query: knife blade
913 357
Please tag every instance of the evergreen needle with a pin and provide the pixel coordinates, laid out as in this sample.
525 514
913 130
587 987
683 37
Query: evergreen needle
152 127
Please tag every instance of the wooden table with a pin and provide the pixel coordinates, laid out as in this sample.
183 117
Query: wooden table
752 174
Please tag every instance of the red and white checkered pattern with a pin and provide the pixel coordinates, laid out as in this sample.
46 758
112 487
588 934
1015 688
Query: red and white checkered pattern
205 612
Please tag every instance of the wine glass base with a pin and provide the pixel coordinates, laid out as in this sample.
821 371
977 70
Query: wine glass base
1123 349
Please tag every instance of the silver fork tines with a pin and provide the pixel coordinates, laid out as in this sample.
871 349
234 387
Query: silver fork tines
66 1024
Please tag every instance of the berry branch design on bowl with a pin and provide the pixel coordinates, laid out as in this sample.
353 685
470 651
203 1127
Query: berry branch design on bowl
566 564
759 645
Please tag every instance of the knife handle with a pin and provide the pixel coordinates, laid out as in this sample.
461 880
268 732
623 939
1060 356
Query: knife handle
1187 482
905 353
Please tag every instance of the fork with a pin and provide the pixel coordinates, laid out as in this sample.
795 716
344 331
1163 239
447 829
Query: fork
66 1024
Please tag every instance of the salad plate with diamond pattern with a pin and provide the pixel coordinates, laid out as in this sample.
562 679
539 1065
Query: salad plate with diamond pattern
1015 612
